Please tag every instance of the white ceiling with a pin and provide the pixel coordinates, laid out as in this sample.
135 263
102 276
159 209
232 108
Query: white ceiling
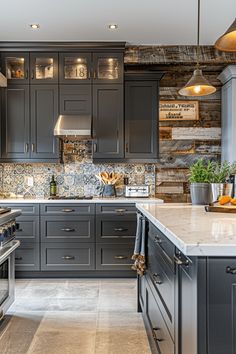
162 22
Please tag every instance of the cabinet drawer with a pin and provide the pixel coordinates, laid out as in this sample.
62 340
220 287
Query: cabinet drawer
165 245
27 257
26 209
160 333
64 256
69 229
118 209
163 280
115 229
67 209
114 257
28 228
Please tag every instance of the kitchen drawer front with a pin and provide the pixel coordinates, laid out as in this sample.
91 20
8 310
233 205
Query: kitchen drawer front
158 328
115 229
27 257
163 280
117 209
67 228
114 257
165 245
28 228
64 256
67 209
26 209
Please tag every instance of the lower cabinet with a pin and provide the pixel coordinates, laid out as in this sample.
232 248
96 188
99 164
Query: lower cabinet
114 257
67 256
27 257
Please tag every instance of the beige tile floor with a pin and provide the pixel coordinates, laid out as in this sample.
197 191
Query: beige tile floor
87 316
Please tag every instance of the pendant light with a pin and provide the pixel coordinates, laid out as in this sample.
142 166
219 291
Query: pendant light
227 42
198 85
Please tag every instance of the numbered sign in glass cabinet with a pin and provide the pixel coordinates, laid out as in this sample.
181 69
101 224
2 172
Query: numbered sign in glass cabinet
15 66
44 68
75 68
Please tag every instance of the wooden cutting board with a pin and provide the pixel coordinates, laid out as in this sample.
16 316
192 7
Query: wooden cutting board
217 208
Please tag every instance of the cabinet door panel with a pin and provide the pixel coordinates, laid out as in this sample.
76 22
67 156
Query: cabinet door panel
75 68
141 119
15 66
108 68
15 123
27 257
43 68
75 99
114 257
44 114
108 121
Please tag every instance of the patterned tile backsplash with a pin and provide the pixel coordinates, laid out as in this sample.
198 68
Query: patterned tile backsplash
76 176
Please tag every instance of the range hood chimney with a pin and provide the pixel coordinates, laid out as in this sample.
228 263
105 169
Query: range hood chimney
74 127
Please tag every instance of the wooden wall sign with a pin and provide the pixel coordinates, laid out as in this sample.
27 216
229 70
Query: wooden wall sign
179 110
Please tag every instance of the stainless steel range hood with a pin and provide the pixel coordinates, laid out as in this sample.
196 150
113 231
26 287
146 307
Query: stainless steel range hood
74 126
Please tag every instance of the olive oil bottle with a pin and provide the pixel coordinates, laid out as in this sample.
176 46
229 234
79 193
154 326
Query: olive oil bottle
53 187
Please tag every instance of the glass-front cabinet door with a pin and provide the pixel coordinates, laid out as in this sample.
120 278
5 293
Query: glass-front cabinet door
75 68
44 68
108 67
15 66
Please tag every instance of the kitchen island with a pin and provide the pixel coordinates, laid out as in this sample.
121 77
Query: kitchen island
188 294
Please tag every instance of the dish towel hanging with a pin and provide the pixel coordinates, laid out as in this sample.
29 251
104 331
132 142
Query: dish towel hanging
139 248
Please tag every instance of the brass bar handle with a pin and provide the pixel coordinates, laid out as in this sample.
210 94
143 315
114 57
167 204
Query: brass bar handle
180 261
154 334
26 147
68 258
121 210
94 74
157 279
126 147
67 210
120 257
120 229
94 147
26 74
157 239
32 74
33 147
68 230
230 270
18 258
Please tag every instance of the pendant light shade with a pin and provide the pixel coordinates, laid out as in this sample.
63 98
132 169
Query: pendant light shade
197 86
227 42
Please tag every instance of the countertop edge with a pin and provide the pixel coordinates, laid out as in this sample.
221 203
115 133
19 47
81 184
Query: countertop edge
82 201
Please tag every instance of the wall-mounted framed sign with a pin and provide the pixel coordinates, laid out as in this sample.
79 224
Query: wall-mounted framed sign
178 110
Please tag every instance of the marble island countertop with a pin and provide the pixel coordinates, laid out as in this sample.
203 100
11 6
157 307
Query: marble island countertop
194 231
121 200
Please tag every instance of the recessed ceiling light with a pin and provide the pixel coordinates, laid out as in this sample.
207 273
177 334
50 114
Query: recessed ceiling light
113 26
35 26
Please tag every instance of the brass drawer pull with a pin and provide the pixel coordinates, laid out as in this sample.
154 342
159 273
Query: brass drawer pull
19 230
67 210
158 239
120 229
230 270
122 210
68 258
157 279
120 257
18 258
68 230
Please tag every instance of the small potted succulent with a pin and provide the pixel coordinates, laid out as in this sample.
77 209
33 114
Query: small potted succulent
200 174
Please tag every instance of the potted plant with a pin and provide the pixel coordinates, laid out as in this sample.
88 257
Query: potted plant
220 180
200 173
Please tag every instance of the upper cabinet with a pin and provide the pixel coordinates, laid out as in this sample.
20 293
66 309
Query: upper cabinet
44 68
75 68
15 66
108 68
35 68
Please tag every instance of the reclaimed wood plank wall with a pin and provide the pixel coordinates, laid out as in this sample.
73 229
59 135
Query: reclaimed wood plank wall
183 142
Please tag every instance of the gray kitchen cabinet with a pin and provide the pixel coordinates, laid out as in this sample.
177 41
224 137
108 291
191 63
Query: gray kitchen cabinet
67 256
67 228
114 256
75 99
141 119
67 209
116 209
15 66
108 68
26 209
43 68
44 114
28 228
75 68
115 229
15 123
27 257
108 124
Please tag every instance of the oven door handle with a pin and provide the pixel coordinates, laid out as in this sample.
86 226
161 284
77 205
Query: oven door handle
6 251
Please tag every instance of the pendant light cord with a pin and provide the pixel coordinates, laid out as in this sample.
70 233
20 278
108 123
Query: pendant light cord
198 33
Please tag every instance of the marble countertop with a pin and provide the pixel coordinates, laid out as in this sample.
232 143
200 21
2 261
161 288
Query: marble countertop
122 200
193 230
